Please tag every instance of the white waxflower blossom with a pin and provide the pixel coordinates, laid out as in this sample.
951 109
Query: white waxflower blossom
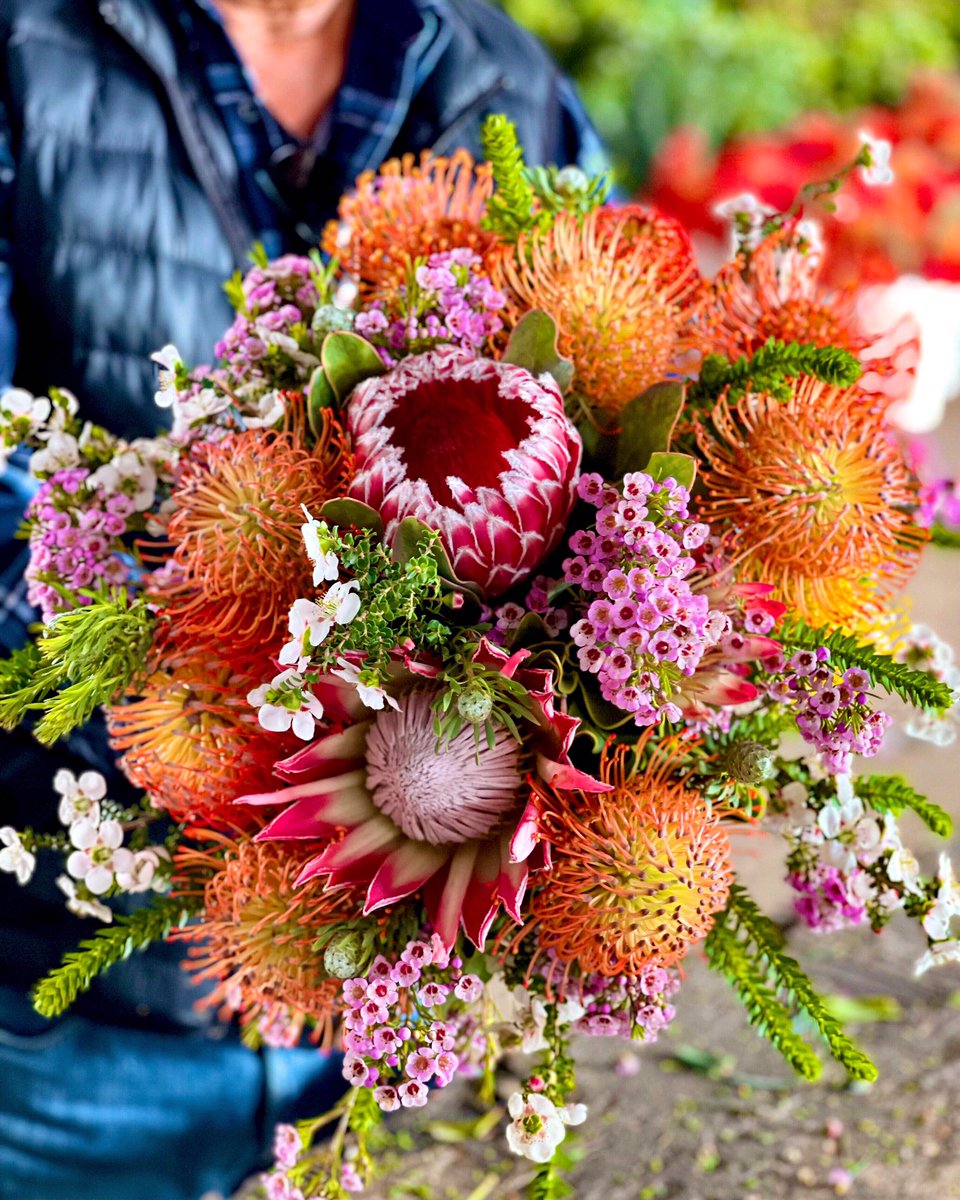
372 695
142 875
299 715
79 798
879 173
80 907
168 359
15 858
99 854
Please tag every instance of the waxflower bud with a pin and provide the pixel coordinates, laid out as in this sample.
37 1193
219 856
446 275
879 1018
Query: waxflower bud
749 762
345 955
571 182
475 705
330 318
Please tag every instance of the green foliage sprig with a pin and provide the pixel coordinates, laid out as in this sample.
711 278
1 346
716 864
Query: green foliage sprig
915 687
746 947
942 535
770 368
54 994
892 794
86 657
400 601
511 210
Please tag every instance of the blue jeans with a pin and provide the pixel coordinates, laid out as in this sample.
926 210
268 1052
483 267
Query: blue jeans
97 1112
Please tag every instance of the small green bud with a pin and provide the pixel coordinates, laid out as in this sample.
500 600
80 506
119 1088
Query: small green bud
329 318
749 762
345 955
571 183
475 705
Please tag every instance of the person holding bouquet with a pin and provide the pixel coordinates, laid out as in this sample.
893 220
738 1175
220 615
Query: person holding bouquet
145 147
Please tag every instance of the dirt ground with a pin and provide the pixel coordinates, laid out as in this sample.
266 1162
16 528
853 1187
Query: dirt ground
711 1112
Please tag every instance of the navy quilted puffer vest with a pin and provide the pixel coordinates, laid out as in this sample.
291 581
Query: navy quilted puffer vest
121 227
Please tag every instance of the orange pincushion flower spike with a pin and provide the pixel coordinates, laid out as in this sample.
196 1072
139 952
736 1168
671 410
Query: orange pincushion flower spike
411 208
258 930
814 496
189 738
238 558
637 872
776 293
621 290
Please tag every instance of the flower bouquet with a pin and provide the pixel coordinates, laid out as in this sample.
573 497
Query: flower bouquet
500 568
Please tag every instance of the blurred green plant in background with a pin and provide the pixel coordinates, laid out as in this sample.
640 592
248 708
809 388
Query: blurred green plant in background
733 66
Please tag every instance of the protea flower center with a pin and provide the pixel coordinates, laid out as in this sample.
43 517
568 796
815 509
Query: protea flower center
481 451
439 792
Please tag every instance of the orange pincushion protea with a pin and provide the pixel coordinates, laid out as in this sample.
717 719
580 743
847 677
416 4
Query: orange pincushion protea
258 931
238 561
411 209
190 740
638 872
813 496
620 292
776 293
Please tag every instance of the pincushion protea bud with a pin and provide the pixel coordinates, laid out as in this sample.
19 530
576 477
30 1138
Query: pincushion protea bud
481 451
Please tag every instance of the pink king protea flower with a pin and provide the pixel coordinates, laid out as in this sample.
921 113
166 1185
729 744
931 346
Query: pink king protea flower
481 451
402 814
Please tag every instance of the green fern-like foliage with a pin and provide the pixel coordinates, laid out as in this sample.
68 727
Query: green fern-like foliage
770 369
892 794
86 657
746 947
54 994
511 210
915 687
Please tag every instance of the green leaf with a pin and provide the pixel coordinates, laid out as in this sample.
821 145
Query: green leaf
320 395
863 1010
413 538
918 688
54 994
348 359
533 346
892 794
681 467
344 511
600 712
647 426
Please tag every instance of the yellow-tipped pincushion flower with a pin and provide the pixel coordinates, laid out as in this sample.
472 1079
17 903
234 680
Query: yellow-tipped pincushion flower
619 291
411 208
812 495
638 872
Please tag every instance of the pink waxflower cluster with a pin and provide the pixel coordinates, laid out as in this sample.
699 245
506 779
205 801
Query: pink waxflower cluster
73 540
628 1006
446 301
646 628
270 343
831 709
831 899
409 1023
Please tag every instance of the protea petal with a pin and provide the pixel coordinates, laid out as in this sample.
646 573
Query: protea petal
375 836
445 906
331 755
404 872
566 776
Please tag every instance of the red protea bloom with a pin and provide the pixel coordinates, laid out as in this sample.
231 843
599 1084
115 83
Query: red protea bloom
481 451
620 288
411 209
403 813
813 496
238 559
189 738
637 873
258 931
